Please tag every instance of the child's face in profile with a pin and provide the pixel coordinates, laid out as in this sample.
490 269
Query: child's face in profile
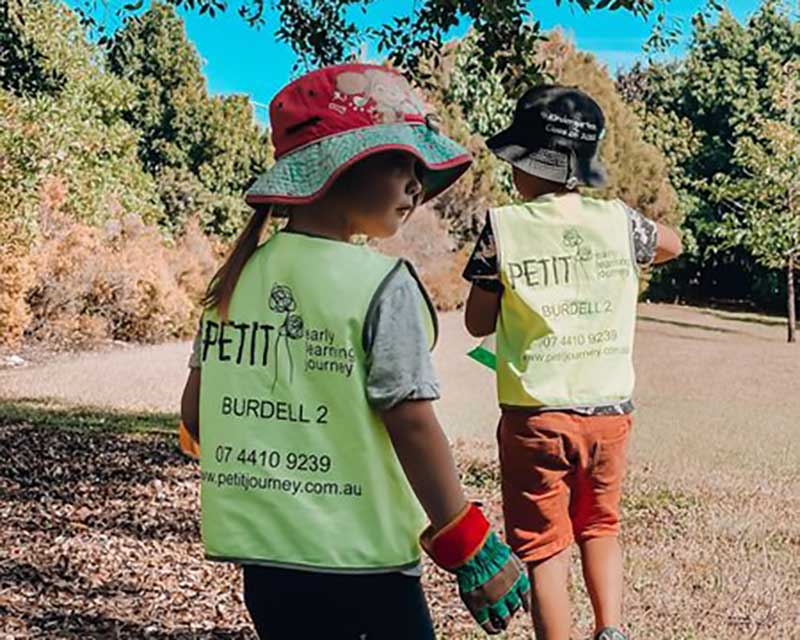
379 193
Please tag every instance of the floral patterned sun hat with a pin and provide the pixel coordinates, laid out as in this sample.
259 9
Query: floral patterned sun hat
325 121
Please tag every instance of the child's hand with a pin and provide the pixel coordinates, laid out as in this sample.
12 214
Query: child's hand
492 581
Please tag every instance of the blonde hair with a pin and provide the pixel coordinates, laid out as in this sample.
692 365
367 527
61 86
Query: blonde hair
220 290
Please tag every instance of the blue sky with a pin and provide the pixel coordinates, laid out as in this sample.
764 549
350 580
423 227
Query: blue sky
240 59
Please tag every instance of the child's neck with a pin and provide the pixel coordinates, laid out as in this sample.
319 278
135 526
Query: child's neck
531 187
536 193
320 219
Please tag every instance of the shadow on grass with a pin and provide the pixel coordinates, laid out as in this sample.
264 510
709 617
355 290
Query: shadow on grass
766 321
88 473
67 469
54 413
59 579
687 325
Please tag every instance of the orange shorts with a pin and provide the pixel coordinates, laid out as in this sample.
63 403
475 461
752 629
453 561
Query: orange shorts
562 477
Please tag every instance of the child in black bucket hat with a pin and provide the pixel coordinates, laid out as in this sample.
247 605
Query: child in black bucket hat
555 279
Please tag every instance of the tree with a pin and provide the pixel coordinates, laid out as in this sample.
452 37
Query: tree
763 208
639 172
322 32
463 207
22 68
66 151
696 110
201 144
152 53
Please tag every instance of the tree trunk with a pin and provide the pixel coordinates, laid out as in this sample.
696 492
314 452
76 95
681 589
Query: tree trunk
791 298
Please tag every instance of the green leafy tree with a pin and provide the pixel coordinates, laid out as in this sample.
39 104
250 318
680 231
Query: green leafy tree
762 209
203 144
696 110
69 148
66 153
152 52
22 68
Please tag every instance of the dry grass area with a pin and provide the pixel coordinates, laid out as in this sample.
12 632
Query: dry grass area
98 520
706 559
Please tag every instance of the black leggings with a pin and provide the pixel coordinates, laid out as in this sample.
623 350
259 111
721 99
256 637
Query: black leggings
297 604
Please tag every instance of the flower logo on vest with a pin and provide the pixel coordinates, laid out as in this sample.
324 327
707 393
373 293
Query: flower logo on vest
281 300
294 327
573 239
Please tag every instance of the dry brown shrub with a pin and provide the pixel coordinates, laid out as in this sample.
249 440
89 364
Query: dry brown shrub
16 276
17 273
425 242
121 282
194 259
53 193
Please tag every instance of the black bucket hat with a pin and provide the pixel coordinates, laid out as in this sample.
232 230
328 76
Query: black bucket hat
555 135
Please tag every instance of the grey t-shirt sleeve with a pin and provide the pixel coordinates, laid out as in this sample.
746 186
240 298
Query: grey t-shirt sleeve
399 364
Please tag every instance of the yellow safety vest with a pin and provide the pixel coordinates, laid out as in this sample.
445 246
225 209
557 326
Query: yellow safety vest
566 324
297 470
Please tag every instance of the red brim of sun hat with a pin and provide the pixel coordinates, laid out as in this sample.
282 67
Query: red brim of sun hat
329 119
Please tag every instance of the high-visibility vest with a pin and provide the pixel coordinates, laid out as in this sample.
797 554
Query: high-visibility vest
297 470
566 325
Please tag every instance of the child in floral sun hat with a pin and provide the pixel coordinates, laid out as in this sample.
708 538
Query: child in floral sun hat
311 385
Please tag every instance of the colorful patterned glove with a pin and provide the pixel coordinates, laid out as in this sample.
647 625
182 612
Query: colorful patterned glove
492 581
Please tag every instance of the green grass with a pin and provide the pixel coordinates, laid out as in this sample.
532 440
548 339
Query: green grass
658 499
55 414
